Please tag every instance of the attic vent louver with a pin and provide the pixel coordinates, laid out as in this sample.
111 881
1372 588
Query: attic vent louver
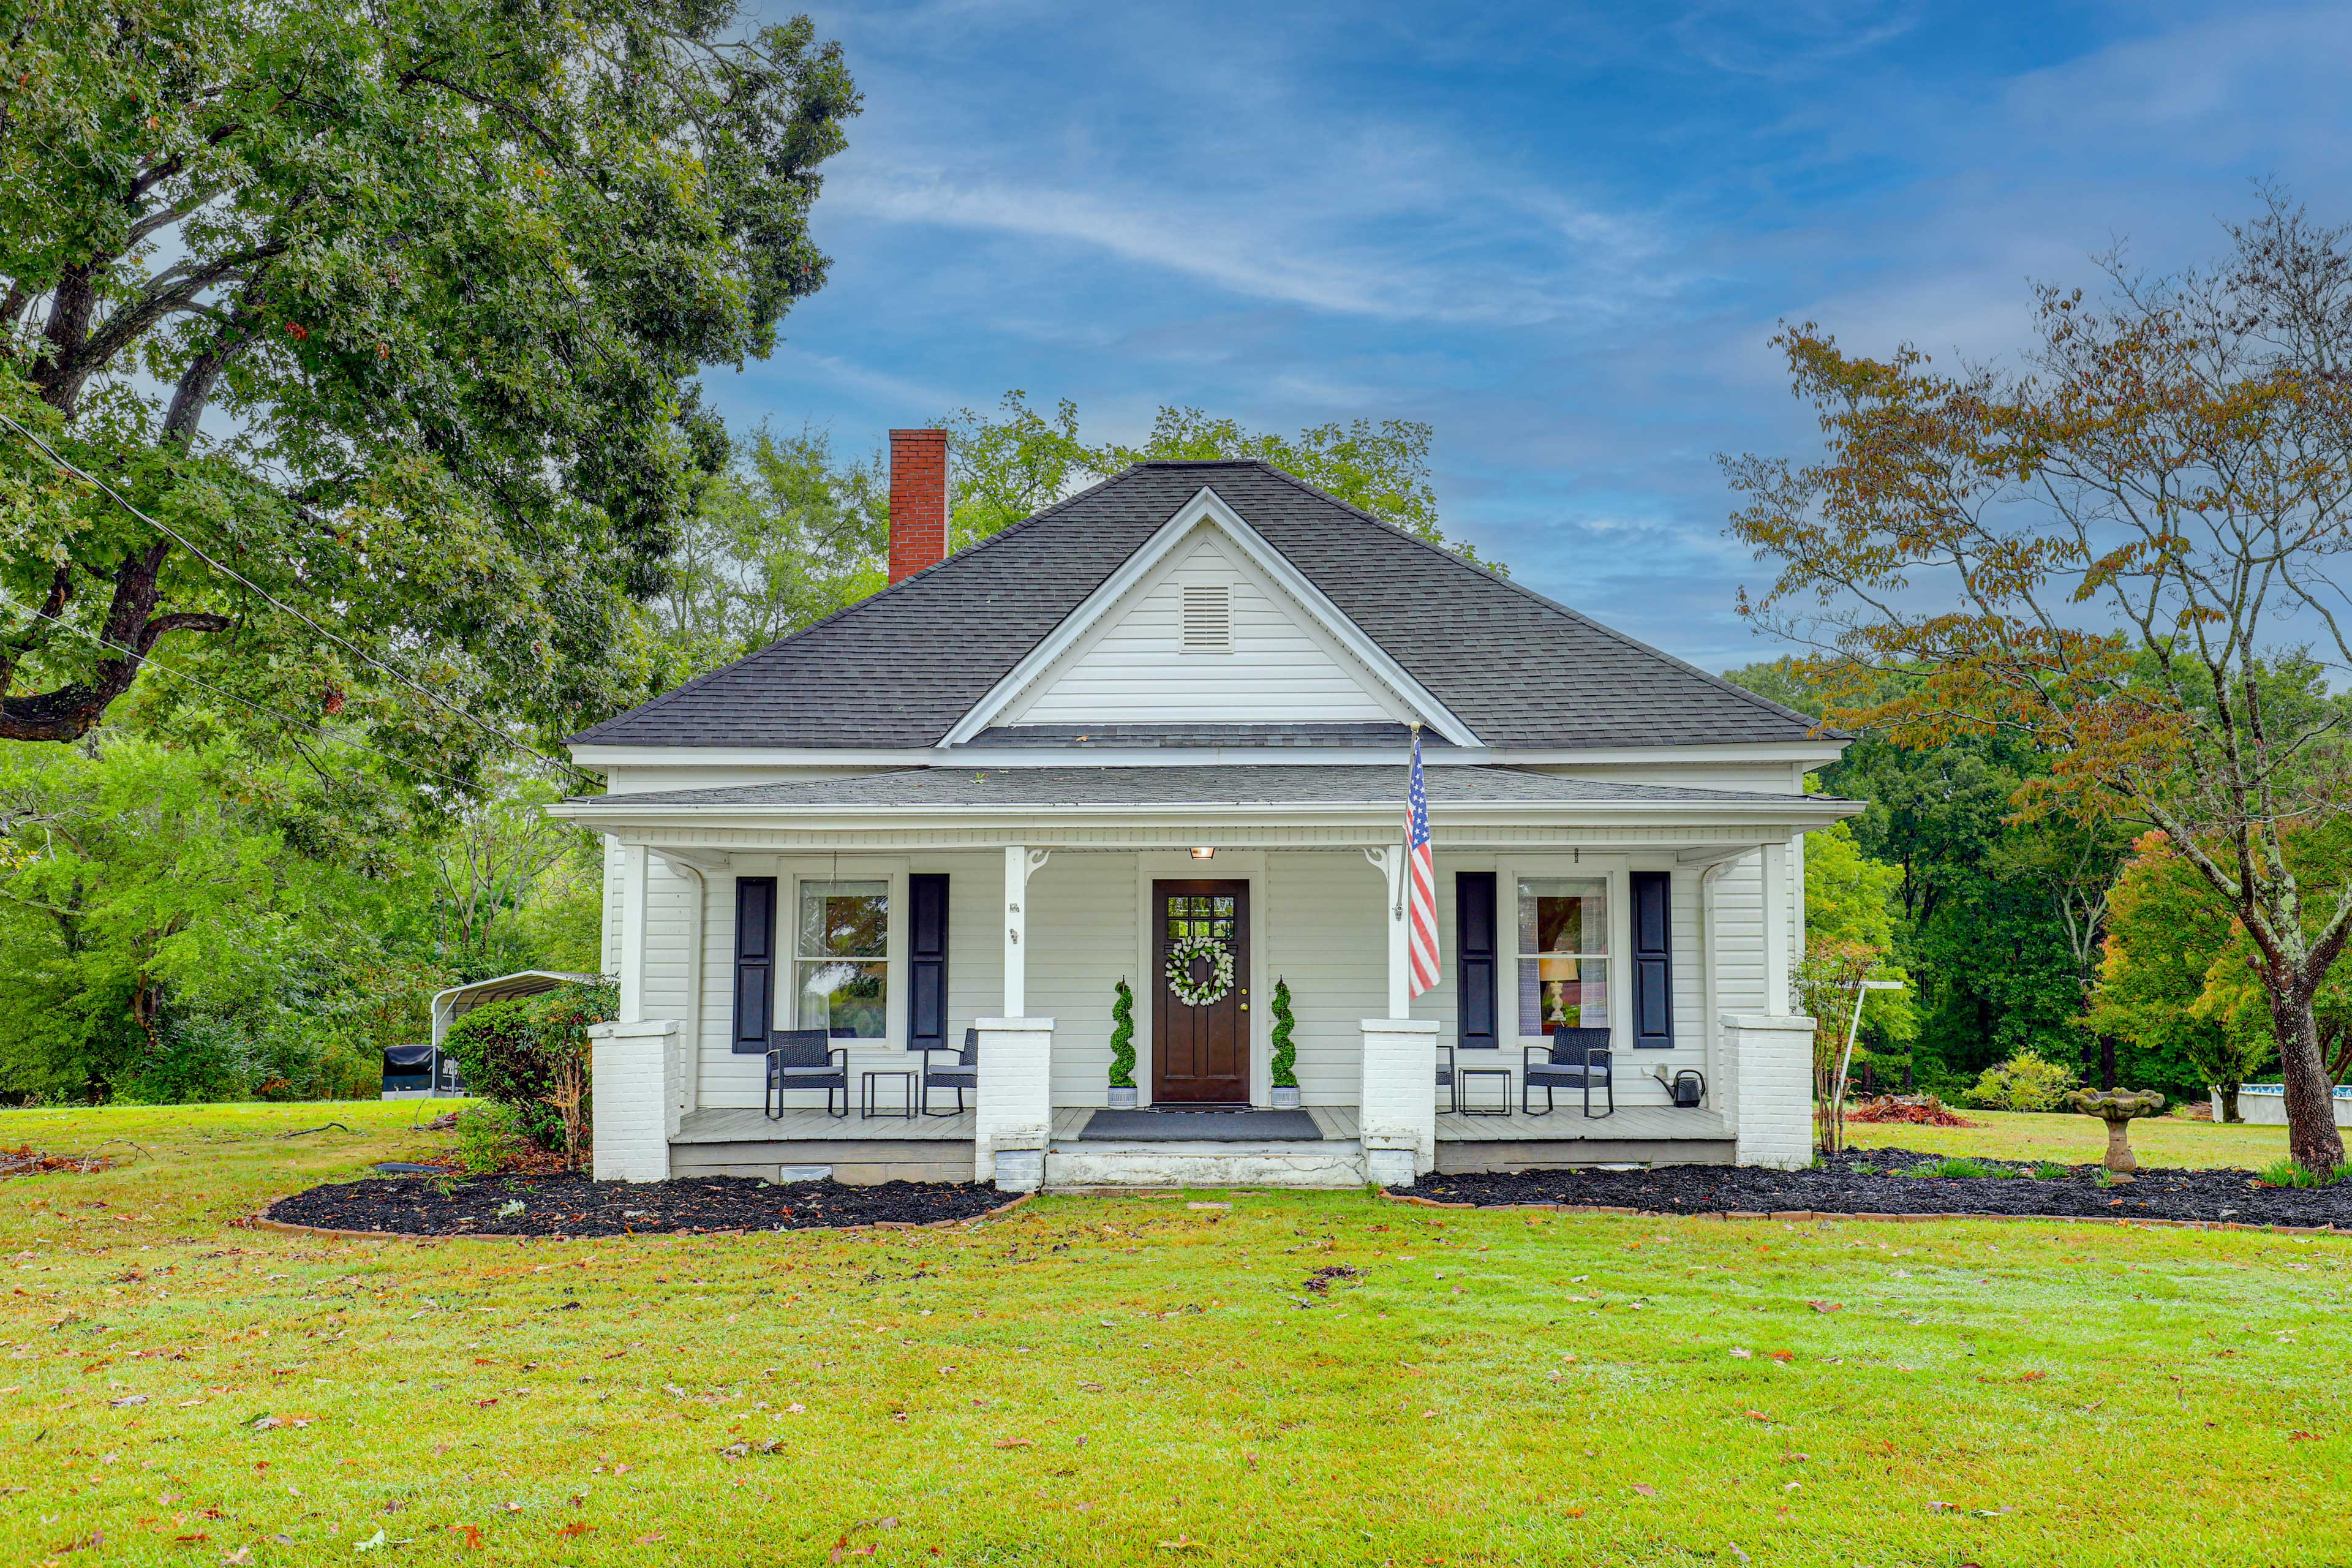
1207 620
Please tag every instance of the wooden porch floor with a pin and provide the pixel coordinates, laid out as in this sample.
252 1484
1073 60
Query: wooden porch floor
1632 1124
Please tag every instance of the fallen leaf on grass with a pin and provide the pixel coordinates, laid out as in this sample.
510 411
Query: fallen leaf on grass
372 1544
197 1539
2302 1437
472 1536
575 1528
1182 1543
1742 1352
1784 1356
1017 1443
2031 1376
1646 1488
240 1558
1756 1415
649 1540
1826 1306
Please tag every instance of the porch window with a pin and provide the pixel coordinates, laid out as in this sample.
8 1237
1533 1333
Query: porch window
1563 954
841 959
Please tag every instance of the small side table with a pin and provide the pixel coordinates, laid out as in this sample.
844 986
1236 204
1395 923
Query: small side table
1469 1076
905 1111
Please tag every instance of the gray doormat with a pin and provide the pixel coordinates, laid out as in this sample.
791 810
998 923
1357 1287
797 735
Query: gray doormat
1201 1127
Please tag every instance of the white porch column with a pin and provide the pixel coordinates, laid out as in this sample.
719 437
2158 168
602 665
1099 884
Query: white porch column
1398 1112
1770 1057
1020 862
1391 860
1779 913
1013 1106
631 1066
636 878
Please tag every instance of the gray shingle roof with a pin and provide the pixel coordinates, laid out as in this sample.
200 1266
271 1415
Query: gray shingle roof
1166 737
899 669
1268 785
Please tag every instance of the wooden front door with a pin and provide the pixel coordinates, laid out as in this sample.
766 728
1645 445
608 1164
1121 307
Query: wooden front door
1199 1056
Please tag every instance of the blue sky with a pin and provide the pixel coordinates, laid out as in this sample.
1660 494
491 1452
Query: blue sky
1562 234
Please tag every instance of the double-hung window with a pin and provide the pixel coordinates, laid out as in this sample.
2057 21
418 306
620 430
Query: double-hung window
841 959
1563 925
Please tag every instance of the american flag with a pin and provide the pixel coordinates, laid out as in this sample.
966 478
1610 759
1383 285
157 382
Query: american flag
1421 878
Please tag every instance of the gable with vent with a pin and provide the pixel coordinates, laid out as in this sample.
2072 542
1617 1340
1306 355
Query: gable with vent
1207 635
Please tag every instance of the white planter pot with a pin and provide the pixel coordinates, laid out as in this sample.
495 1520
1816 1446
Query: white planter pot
1286 1098
1121 1099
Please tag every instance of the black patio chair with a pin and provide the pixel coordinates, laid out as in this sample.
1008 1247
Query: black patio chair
1575 1057
805 1058
1448 1080
964 1074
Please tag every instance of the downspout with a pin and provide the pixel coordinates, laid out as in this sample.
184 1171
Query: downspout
1712 1022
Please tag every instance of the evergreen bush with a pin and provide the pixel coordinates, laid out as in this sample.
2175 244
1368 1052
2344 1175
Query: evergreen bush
2025 1082
517 1052
1122 1037
1286 1053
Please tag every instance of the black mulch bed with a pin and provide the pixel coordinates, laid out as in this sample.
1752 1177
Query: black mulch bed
575 1206
1872 1181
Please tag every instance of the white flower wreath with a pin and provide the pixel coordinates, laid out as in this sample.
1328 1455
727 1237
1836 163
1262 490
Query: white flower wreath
1181 983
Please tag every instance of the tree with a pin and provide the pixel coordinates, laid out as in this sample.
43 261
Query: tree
786 535
447 269
1010 465
1991 915
183 927
2176 465
2165 930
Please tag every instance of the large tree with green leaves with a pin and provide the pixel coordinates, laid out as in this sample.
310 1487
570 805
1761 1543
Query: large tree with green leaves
391 308
1018 460
2104 556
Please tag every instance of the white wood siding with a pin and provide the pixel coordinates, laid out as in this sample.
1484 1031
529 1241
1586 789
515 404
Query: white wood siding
1327 934
1133 670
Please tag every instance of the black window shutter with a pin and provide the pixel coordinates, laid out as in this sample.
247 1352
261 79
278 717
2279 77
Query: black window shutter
755 963
1653 964
1475 959
927 962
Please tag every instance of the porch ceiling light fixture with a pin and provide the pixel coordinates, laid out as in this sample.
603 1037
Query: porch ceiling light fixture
1204 853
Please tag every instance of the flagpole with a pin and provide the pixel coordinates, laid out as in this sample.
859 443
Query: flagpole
1412 745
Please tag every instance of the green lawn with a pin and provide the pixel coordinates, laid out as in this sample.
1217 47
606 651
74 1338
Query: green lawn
2077 1140
1138 1380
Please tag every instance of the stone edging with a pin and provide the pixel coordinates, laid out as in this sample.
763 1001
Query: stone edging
287 1227
1803 1215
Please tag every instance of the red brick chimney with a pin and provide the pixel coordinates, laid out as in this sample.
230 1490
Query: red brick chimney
918 500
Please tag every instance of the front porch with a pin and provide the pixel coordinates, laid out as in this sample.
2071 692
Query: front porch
1660 920
860 1149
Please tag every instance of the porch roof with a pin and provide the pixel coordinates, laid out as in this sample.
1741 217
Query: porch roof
1271 785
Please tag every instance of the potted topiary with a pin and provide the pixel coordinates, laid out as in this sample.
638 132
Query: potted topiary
1286 1052
1122 1048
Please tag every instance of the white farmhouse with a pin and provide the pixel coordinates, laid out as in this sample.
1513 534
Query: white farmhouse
872 892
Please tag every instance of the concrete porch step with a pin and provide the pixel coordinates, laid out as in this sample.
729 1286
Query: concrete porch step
1333 1162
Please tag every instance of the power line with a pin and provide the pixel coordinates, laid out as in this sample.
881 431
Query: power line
280 604
151 662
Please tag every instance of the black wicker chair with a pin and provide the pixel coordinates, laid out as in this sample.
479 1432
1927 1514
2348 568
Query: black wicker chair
963 1075
1574 1058
1448 1080
805 1058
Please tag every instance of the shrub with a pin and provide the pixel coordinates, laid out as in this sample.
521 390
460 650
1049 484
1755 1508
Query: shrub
1122 1037
527 1052
1285 1051
489 1138
2024 1083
